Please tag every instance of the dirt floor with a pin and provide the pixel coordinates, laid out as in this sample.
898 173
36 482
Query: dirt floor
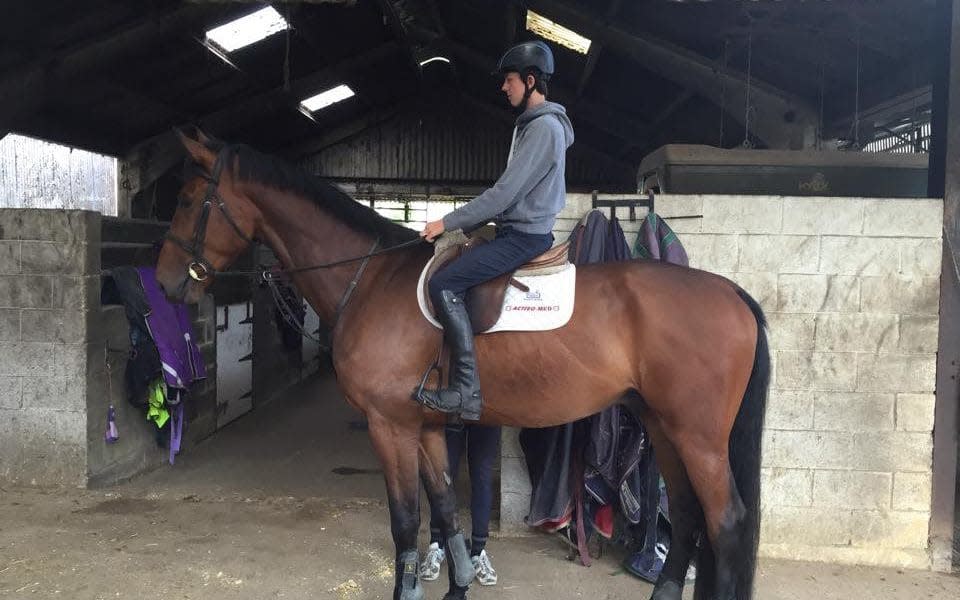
289 503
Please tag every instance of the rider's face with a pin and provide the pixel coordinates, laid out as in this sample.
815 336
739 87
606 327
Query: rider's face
514 89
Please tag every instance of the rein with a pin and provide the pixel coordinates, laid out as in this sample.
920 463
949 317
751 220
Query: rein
200 269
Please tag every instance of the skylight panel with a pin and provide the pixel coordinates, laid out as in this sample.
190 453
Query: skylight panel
547 29
247 30
326 98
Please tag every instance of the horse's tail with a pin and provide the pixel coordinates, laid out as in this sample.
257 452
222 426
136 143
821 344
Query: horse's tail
745 453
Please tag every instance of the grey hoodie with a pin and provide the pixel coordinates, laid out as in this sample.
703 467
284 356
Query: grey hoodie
532 190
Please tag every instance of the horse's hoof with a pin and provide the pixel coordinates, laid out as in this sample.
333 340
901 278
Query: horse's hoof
667 590
413 594
455 596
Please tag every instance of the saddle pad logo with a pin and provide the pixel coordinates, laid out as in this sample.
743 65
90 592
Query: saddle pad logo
547 305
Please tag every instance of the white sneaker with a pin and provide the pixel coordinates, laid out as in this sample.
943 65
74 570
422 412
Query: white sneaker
485 573
430 567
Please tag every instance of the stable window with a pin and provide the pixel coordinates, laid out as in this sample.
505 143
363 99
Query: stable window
39 174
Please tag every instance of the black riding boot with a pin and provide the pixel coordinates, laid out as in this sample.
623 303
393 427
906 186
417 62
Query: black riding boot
463 395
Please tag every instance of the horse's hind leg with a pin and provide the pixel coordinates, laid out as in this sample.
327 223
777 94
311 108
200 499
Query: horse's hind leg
435 473
724 515
396 445
686 518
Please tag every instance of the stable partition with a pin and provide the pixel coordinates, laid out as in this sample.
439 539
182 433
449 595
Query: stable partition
850 287
63 355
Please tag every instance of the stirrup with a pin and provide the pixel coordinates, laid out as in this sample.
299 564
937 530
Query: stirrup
432 399
418 393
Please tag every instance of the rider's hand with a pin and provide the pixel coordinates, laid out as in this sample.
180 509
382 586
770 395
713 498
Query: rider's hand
432 230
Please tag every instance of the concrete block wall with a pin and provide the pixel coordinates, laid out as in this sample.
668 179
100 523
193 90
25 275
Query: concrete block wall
49 282
62 358
201 411
850 287
137 449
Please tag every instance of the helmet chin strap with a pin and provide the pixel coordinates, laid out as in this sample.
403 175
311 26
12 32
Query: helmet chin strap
522 107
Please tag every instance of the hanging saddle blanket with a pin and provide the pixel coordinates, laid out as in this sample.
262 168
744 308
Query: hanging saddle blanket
538 296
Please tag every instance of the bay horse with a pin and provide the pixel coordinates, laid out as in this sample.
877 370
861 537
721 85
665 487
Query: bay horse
691 345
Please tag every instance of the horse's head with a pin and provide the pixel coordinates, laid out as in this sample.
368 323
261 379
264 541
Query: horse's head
214 223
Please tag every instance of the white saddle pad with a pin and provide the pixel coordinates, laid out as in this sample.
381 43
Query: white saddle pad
548 304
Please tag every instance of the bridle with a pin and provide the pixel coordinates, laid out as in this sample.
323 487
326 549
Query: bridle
200 269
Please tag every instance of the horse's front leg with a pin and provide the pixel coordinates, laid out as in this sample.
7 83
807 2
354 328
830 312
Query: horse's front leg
396 444
437 479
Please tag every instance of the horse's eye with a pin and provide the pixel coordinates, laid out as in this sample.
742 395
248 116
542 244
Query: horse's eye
184 201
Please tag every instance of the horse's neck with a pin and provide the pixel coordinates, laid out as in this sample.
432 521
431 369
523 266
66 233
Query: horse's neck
301 235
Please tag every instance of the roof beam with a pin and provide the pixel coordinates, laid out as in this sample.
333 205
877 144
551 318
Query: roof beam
21 89
660 118
911 101
231 117
779 119
593 55
392 15
159 154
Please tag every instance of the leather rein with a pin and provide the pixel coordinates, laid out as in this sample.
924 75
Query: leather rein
200 269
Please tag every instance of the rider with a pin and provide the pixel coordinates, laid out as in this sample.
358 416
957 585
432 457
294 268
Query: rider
524 203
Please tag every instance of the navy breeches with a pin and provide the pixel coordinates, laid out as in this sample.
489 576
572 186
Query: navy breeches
510 250
481 444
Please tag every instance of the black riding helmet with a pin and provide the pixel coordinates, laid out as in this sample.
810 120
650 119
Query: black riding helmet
529 58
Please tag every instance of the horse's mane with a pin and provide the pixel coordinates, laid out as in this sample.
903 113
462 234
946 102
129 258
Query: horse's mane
265 169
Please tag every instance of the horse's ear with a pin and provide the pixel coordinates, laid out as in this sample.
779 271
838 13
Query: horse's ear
196 149
203 138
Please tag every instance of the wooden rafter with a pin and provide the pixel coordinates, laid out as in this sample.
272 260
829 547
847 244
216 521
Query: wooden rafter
593 55
20 90
159 154
779 119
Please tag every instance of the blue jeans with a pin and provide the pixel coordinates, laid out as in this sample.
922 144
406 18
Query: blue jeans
510 250
481 443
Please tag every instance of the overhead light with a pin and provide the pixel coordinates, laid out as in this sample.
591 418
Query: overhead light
434 59
547 29
326 98
247 30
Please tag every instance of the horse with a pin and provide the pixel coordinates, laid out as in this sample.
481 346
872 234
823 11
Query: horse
685 350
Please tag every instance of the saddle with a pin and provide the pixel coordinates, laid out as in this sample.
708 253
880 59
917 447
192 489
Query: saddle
485 301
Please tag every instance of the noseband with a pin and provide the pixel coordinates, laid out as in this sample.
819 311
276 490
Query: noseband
199 268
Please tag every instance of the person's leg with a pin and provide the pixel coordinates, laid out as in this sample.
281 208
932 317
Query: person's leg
456 436
483 444
447 291
482 263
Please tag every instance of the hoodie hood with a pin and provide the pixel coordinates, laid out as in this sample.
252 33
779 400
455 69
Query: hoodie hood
548 108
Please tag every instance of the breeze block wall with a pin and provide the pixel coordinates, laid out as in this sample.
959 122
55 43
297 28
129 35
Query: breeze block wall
49 282
850 287
62 359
